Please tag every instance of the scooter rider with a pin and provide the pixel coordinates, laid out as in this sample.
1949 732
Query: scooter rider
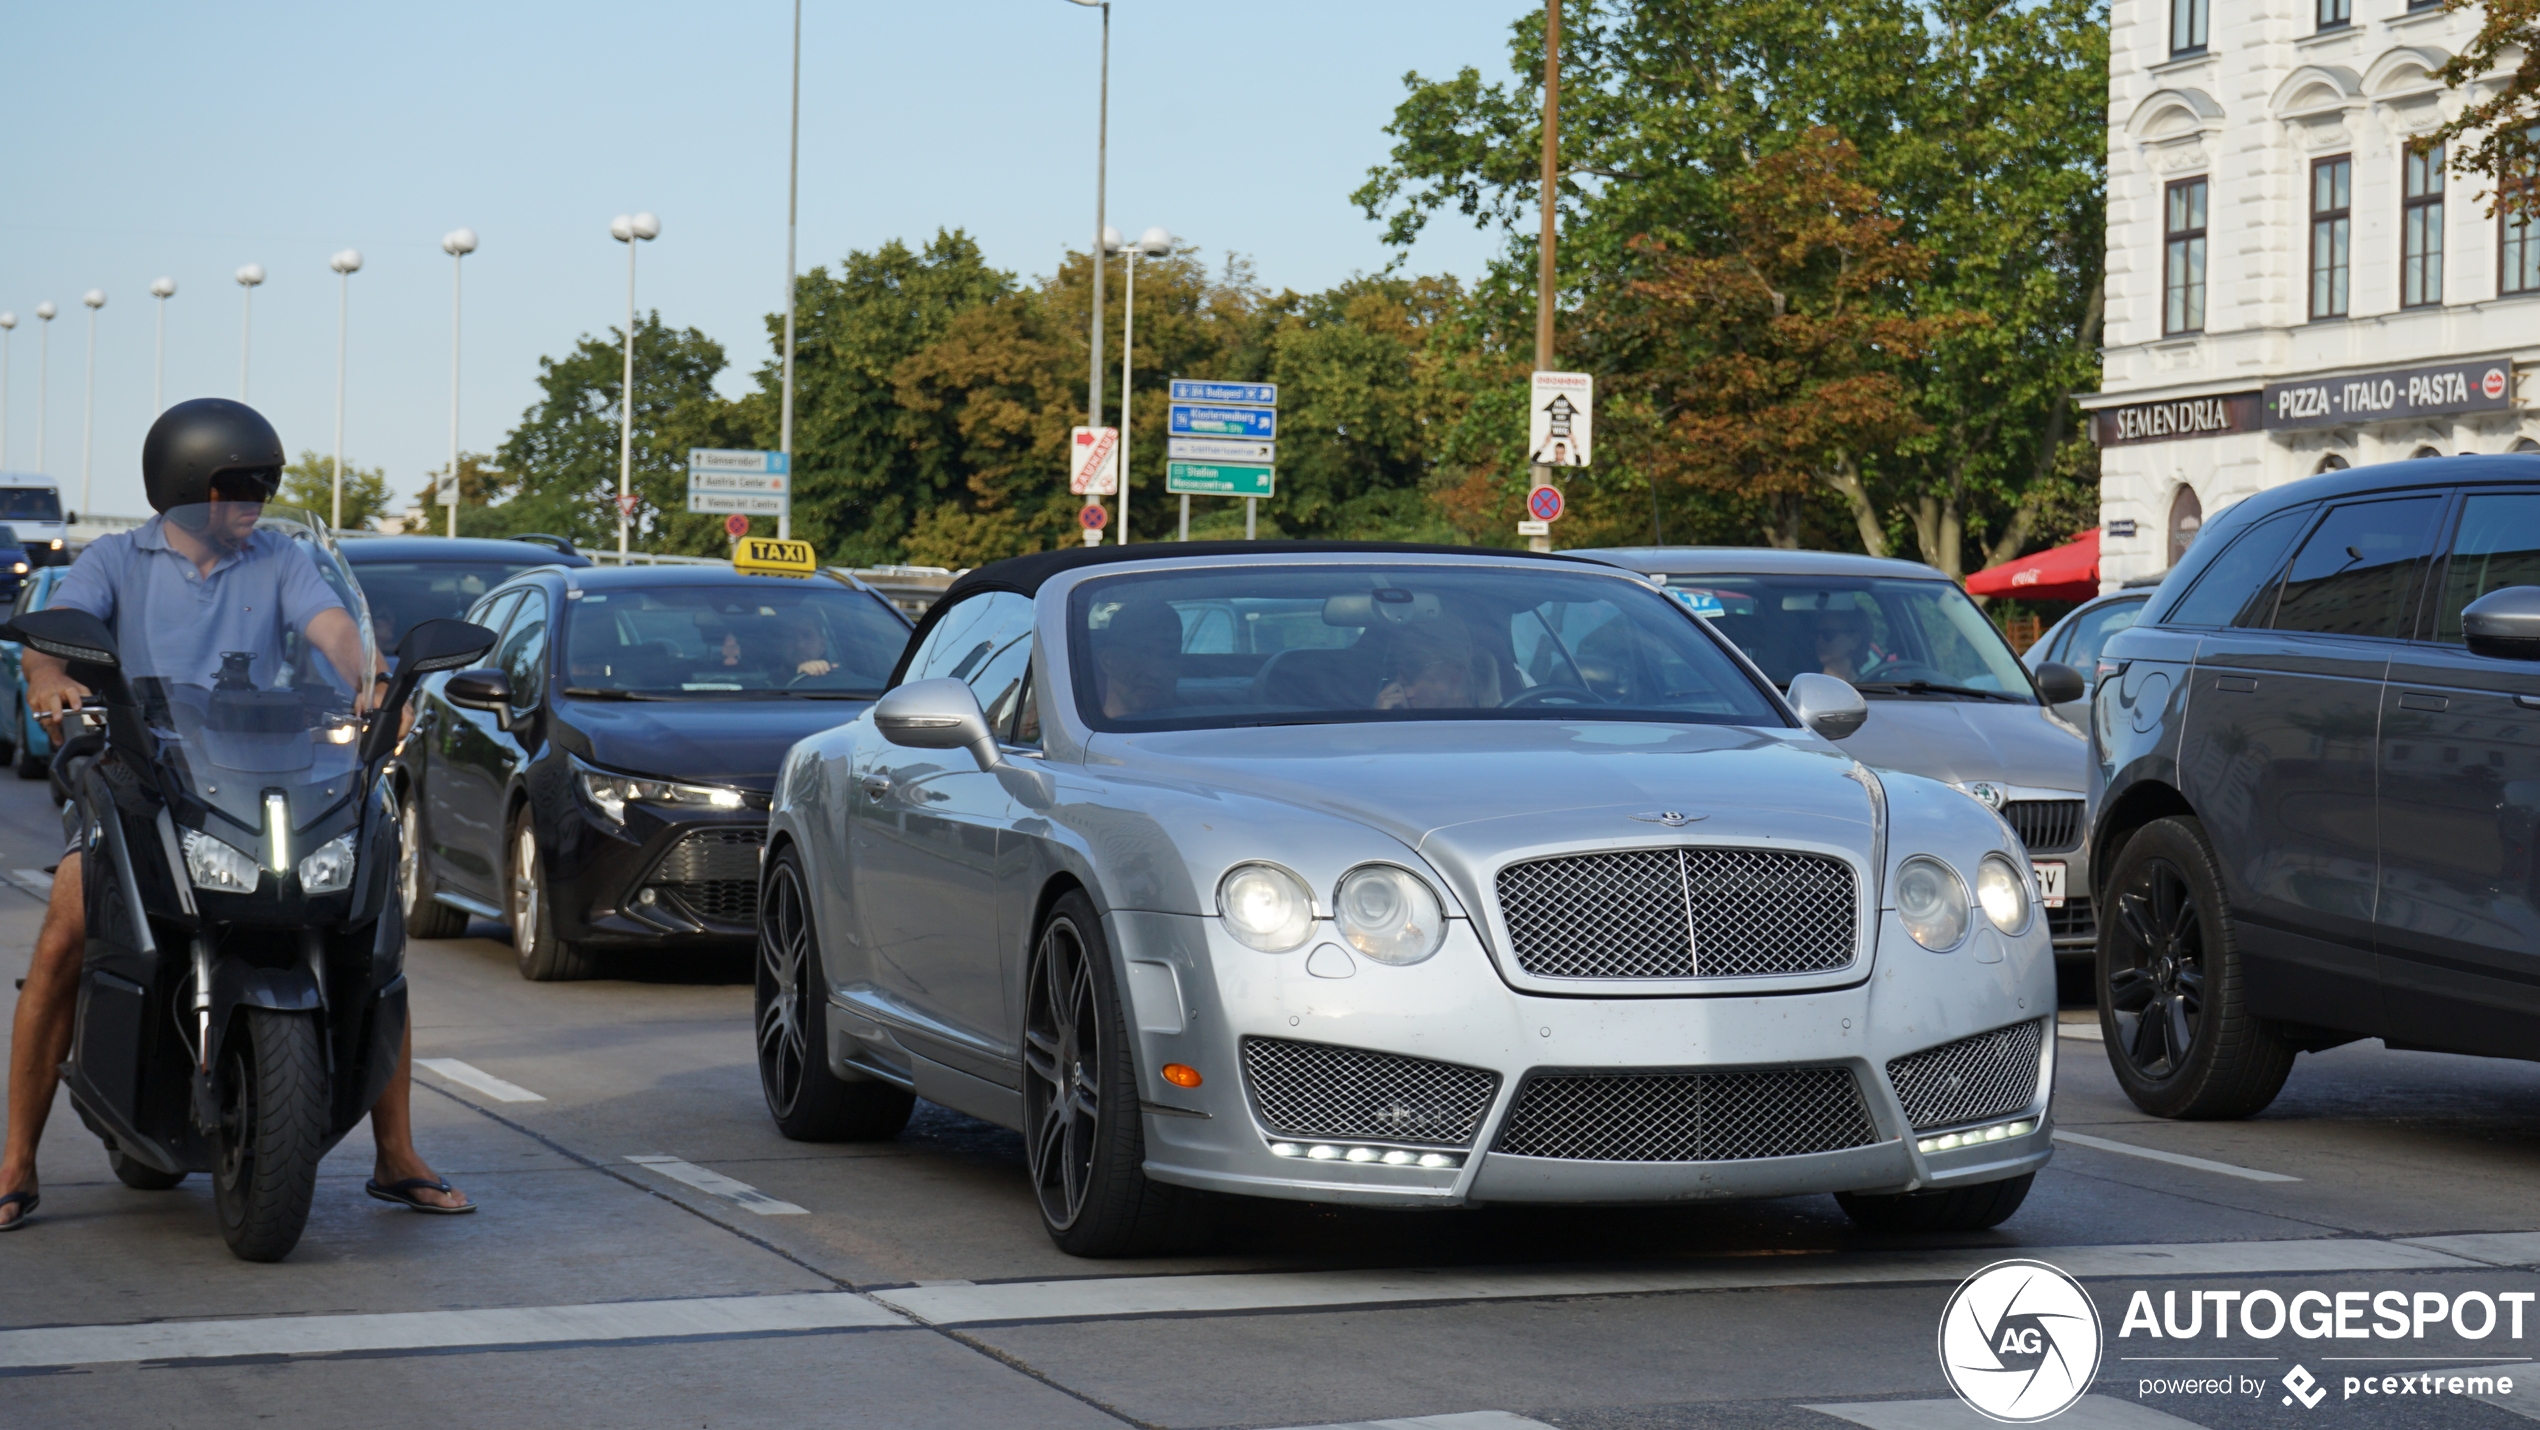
215 463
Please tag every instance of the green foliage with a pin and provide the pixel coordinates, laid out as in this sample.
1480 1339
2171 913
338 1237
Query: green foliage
309 485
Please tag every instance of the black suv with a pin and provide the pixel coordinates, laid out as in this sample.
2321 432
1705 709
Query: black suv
605 779
2316 785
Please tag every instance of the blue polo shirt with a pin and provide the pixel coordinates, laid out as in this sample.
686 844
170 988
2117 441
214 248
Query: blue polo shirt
183 620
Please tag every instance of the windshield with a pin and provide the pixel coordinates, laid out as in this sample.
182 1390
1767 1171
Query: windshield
1274 645
765 639
30 504
403 594
1885 636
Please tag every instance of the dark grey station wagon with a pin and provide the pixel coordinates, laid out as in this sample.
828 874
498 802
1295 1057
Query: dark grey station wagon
2316 785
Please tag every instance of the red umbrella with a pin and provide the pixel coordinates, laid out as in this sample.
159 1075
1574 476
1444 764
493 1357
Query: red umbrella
2066 573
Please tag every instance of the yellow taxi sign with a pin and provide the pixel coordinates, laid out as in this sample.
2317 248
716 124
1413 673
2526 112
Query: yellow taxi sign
766 556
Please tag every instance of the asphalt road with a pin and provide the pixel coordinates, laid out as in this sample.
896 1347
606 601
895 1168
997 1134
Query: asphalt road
651 1253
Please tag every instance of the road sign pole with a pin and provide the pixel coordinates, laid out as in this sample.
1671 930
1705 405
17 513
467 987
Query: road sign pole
1186 516
1252 514
1128 345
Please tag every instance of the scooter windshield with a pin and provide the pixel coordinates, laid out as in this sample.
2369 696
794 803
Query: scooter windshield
248 645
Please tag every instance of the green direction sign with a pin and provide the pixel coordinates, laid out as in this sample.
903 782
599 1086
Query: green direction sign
1217 479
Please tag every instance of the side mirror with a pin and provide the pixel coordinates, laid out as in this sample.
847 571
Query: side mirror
1826 705
935 715
2059 684
66 633
480 690
430 647
2504 623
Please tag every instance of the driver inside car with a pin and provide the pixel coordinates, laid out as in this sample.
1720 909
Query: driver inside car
242 593
1138 657
1437 665
1843 642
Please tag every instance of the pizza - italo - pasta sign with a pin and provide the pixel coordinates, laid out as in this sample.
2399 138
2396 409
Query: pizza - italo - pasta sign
2474 385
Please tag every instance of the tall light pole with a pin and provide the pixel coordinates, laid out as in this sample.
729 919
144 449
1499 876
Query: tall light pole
95 298
1154 243
629 229
8 327
248 278
458 243
43 374
345 264
793 171
1102 154
162 289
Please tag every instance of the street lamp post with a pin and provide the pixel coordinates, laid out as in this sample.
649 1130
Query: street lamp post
1154 243
248 278
458 243
629 229
43 375
793 171
1102 150
95 298
345 264
162 289
8 327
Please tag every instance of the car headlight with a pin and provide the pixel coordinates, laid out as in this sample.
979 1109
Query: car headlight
2003 891
1932 901
328 867
1266 907
610 794
1389 914
212 864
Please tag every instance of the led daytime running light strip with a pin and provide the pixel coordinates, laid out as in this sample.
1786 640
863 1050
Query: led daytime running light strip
1384 1156
1998 1132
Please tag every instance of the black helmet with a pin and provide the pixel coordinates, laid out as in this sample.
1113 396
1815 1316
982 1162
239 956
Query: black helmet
194 442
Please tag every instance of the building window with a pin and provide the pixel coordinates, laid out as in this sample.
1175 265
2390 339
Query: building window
2336 14
2421 229
2183 260
2187 26
2518 251
2332 233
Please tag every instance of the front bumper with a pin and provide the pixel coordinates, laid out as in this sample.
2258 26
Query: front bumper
1196 995
652 881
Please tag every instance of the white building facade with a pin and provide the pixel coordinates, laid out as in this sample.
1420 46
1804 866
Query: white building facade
2289 290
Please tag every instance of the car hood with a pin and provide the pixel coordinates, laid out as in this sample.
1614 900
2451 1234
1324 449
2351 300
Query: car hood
727 742
1956 741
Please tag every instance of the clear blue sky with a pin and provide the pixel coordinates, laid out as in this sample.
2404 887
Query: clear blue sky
186 140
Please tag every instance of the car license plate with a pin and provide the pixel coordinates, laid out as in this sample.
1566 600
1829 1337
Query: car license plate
2050 884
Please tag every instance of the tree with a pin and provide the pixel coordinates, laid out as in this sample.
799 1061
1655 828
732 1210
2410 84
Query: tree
309 485
2506 118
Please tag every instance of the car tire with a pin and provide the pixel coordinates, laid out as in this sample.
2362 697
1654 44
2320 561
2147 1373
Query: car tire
1084 1136
809 1102
543 957
426 916
1975 1208
29 764
2169 973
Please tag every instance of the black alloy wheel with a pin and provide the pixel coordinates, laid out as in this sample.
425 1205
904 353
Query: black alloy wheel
1083 1132
810 1102
2173 1005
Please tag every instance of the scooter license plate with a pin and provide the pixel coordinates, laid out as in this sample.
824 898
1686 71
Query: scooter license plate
2050 884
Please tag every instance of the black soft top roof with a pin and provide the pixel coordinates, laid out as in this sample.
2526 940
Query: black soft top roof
1026 575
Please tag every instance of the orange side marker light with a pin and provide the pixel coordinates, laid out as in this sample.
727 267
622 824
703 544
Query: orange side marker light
1180 1075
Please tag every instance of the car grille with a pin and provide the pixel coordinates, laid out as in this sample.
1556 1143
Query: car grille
1679 913
713 874
2073 923
1317 1090
1687 1116
1989 1075
2046 826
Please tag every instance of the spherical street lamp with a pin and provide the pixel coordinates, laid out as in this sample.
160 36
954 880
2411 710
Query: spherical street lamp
628 229
248 277
346 264
95 298
8 325
458 243
43 374
162 289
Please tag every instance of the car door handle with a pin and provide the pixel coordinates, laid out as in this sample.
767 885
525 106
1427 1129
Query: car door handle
2235 684
2412 700
2528 702
877 787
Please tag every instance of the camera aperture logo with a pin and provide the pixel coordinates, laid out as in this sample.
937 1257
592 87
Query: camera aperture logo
2020 1341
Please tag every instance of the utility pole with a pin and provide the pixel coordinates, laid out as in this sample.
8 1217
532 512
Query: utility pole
793 186
1551 214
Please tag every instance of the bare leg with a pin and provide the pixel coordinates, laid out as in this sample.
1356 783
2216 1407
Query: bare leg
41 1035
392 1126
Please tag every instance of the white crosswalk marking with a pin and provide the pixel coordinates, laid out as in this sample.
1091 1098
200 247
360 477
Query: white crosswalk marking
2175 1159
1469 1420
715 1183
467 1076
2091 1412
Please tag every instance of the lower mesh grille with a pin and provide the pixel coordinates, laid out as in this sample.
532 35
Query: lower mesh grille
713 874
1317 1090
1687 1116
1989 1075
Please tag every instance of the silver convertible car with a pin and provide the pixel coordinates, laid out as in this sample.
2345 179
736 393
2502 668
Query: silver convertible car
1397 876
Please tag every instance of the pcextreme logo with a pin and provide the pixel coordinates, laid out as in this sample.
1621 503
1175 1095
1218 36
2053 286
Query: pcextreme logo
2019 1341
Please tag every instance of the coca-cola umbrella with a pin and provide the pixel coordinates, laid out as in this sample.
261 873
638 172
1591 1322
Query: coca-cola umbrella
2064 573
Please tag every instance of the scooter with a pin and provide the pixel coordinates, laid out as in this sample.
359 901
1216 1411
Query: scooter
242 998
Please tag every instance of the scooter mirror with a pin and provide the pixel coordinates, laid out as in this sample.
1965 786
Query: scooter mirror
442 644
66 633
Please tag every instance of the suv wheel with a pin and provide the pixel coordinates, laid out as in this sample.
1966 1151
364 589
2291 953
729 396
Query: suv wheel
542 956
2173 1002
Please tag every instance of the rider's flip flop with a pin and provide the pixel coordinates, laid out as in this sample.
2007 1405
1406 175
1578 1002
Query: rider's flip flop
403 1194
26 1203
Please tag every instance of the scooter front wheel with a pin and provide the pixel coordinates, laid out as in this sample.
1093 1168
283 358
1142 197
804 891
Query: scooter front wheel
273 1103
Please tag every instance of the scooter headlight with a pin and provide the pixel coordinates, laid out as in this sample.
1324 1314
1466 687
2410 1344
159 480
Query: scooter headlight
212 864
329 867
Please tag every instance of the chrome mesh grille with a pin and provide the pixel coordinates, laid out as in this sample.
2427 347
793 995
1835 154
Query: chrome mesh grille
2046 826
1317 1090
1989 1075
1687 1116
713 873
1680 913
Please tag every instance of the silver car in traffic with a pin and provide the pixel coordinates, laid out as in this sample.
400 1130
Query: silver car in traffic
1396 876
